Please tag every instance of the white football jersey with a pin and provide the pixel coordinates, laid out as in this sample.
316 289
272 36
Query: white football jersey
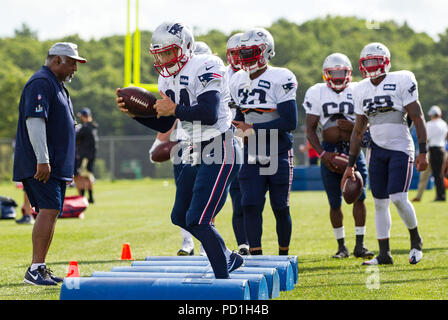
230 72
201 73
263 94
322 101
384 106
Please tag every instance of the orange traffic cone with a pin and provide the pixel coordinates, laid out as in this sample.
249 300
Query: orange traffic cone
73 270
126 252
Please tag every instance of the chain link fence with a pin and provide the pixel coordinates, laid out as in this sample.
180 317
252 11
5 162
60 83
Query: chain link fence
126 157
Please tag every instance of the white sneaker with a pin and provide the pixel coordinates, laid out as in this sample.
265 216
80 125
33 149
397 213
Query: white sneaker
415 256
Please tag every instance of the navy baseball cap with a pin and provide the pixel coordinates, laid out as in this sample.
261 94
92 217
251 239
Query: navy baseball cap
85 112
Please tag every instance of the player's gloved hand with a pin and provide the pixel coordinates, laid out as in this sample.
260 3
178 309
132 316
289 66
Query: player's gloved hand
326 160
348 174
121 105
155 144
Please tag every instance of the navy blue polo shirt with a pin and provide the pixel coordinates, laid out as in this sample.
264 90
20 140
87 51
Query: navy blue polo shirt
43 96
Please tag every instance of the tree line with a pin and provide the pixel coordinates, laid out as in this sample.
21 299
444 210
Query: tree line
299 47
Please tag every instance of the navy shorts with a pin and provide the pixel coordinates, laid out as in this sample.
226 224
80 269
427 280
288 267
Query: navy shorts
254 185
332 180
390 171
48 195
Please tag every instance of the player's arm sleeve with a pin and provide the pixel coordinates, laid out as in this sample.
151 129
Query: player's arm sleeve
409 89
37 132
205 111
285 95
357 101
310 102
162 124
286 122
38 95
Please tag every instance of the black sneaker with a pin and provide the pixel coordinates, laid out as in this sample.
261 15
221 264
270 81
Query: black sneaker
363 253
39 277
379 259
235 261
342 253
244 252
26 219
183 252
53 277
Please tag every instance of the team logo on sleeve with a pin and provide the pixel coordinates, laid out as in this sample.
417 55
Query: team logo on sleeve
309 105
206 78
289 86
39 107
413 88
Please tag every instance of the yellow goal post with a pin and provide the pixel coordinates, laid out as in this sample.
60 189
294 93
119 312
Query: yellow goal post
132 56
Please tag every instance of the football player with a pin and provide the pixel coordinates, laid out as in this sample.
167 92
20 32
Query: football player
385 100
329 105
238 221
194 90
267 114
179 135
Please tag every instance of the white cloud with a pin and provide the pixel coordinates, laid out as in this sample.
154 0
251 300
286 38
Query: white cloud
98 18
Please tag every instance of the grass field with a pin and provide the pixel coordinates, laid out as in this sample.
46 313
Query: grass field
138 212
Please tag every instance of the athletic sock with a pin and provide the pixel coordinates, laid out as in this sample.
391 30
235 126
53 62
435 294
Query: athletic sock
384 247
34 266
258 252
416 240
341 243
282 252
360 232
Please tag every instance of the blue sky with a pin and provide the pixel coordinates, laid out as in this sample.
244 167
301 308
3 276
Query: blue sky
97 18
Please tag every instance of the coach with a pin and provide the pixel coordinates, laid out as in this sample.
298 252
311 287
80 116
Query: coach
44 157
437 130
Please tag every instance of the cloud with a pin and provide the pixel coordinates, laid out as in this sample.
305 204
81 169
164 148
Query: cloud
99 18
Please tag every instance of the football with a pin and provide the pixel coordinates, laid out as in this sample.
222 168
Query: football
162 152
340 161
139 101
352 190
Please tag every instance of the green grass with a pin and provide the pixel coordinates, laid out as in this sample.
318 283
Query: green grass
138 212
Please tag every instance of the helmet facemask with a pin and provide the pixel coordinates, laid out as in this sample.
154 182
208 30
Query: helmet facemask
169 60
233 58
374 66
252 59
337 78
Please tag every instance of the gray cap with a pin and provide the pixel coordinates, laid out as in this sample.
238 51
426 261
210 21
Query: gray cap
434 111
66 49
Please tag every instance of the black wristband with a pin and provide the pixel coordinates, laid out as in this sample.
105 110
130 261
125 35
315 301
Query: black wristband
422 147
351 160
